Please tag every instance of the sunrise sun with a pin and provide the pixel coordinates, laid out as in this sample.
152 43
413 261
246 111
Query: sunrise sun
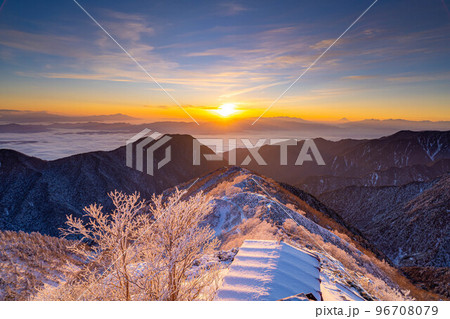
226 110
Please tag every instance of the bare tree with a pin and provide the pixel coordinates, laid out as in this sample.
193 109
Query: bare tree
178 236
113 236
143 252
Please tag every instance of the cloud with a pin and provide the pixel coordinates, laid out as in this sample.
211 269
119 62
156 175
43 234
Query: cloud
161 90
73 76
420 78
358 77
272 57
231 8
251 89
50 44
323 44
224 51
129 27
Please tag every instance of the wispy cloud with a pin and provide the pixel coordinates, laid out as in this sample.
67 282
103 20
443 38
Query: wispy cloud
231 8
358 77
51 44
129 27
267 61
420 78
252 89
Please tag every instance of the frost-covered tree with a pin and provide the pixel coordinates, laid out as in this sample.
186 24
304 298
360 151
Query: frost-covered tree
114 238
177 235
142 252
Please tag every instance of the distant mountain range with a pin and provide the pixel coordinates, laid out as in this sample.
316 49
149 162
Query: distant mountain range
20 116
393 160
48 139
23 122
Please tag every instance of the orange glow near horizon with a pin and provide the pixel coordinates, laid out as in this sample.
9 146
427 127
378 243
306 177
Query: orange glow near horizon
208 107
314 111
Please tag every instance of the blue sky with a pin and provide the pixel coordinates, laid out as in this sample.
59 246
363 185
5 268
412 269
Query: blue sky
394 63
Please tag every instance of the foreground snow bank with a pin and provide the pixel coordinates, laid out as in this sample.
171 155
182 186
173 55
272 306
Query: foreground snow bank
269 270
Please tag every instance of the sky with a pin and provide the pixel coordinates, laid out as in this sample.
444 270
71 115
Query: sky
393 63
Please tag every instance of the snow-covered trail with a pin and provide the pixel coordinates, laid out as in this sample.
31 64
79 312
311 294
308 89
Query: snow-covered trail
268 270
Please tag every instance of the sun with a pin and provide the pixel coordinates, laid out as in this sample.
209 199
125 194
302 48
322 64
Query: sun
227 109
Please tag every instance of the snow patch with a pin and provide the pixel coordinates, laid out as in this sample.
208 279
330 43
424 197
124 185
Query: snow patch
268 270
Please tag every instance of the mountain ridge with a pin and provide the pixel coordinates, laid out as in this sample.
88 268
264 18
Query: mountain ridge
409 223
36 194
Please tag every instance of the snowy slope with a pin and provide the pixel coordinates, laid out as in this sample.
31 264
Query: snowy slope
247 206
323 258
268 270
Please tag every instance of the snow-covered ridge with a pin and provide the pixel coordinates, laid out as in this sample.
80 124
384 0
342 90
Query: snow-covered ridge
243 201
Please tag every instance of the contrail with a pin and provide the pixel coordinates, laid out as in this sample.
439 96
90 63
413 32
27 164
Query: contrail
315 61
134 60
